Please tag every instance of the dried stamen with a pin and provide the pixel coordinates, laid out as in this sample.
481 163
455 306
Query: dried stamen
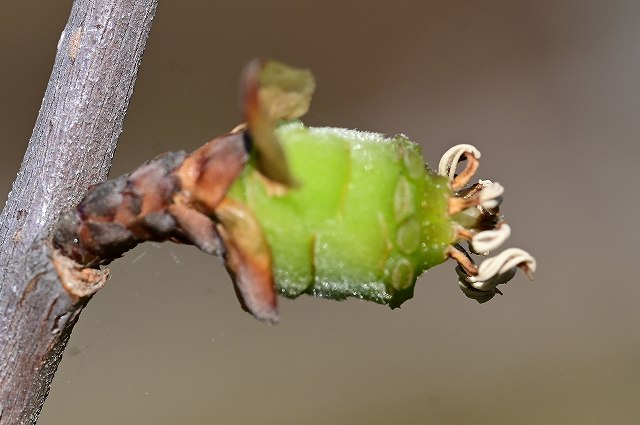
464 234
486 194
493 272
490 194
461 257
449 163
486 241
457 205
508 259
486 291
475 210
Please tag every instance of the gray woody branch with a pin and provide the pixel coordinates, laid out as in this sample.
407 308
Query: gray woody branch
71 148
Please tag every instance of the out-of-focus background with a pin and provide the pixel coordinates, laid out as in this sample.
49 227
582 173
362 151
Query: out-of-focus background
548 90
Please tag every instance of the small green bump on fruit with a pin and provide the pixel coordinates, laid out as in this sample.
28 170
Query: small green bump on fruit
408 236
403 204
402 275
413 163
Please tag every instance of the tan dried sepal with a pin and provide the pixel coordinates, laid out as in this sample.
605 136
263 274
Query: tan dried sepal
284 92
207 174
79 281
272 92
248 259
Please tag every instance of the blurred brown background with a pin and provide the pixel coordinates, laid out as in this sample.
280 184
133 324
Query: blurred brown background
547 90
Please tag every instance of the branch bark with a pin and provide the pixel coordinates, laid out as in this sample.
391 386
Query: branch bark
71 147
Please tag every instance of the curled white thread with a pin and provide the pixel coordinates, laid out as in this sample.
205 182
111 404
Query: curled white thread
493 272
488 240
503 263
449 161
490 194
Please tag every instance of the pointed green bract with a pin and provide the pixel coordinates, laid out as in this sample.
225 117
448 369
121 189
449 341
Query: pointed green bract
367 218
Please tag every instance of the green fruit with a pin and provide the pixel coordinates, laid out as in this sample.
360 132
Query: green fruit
366 218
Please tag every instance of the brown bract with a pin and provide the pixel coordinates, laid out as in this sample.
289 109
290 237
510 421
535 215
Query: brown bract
248 259
80 282
174 197
206 174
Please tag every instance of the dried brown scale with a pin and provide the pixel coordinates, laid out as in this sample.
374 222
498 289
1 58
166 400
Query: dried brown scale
171 197
79 282
248 259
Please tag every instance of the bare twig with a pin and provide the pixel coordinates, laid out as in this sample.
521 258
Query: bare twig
71 147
